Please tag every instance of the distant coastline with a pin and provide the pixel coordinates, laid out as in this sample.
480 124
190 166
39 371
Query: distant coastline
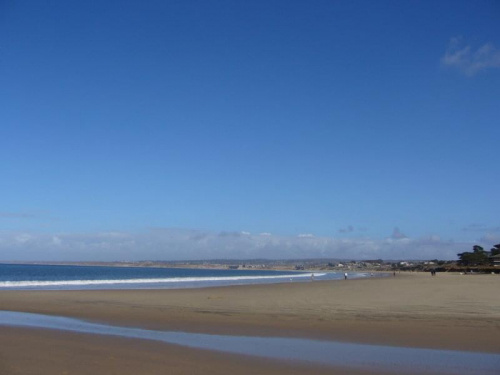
314 265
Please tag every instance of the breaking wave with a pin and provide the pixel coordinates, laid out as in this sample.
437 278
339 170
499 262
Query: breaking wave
62 283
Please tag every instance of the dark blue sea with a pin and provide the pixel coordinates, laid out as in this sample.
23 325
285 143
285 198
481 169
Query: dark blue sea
48 277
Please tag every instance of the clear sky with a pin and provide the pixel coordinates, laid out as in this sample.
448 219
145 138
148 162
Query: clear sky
199 129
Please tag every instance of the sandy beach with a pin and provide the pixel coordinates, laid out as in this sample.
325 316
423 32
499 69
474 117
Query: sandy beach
449 311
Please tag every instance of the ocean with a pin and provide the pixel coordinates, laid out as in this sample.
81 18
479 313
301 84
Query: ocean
49 277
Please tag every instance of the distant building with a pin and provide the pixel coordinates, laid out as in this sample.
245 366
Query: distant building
495 260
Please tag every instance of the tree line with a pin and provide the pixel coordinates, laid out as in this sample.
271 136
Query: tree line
478 256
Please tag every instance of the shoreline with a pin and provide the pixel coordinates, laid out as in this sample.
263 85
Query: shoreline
412 310
266 265
150 278
39 351
449 312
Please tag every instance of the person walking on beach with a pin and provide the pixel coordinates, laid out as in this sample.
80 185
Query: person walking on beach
345 275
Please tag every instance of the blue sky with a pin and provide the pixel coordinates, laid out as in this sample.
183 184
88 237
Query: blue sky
352 128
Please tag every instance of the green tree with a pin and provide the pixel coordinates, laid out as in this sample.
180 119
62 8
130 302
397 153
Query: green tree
495 250
477 257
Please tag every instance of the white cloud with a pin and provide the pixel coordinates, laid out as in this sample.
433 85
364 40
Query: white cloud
397 234
306 235
469 61
179 244
56 241
23 238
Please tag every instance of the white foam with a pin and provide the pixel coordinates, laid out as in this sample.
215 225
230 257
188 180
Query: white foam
51 283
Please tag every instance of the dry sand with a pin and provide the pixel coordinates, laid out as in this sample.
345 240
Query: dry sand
450 311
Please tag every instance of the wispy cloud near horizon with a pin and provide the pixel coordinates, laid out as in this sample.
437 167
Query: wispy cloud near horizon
468 61
186 244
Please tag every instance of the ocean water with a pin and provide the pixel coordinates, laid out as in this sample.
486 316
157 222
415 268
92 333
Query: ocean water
47 277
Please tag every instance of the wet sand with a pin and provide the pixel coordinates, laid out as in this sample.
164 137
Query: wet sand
449 311
45 352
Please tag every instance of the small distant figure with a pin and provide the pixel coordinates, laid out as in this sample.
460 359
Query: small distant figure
312 276
345 275
394 274
433 272
291 280
371 274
